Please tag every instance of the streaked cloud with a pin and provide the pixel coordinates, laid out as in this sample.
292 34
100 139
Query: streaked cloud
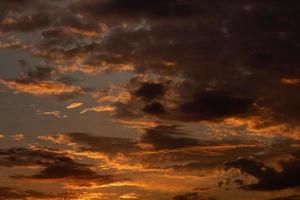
18 136
74 105
98 109
57 114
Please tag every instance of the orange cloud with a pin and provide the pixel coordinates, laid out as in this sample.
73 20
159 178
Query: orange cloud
98 109
41 88
74 105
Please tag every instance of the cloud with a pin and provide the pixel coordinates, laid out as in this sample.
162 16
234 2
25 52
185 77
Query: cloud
220 55
214 56
54 166
98 109
212 105
31 157
133 9
46 81
161 147
218 63
103 144
192 196
41 88
57 114
176 101
74 105
8 193
25 23
18 137
269 178
292 197
130 196
150 90
167 137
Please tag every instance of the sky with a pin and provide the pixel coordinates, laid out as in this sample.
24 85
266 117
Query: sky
149 100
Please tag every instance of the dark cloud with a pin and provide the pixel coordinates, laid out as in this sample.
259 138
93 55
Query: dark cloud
133 9
31 157
47 81
194 61
104 144
26 23
185 104
292 197
55 166
192 196
269 178
225 49
165 147
154 108
80 174
233 53
212 105
244 55
8 193
150 90
167 137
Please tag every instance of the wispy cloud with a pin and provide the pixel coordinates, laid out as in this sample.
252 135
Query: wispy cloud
98 109
74 105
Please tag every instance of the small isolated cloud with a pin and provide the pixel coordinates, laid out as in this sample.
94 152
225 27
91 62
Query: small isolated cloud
98 109
74 105
56 113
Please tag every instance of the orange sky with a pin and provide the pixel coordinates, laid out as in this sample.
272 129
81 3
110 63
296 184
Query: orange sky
149 100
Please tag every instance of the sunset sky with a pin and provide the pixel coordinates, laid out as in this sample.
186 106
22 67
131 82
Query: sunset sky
149 99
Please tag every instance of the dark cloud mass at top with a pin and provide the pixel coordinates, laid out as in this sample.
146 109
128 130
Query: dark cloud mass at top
233 53
242 49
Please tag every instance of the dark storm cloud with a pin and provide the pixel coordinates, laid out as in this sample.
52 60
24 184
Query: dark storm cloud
8 193
269 178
